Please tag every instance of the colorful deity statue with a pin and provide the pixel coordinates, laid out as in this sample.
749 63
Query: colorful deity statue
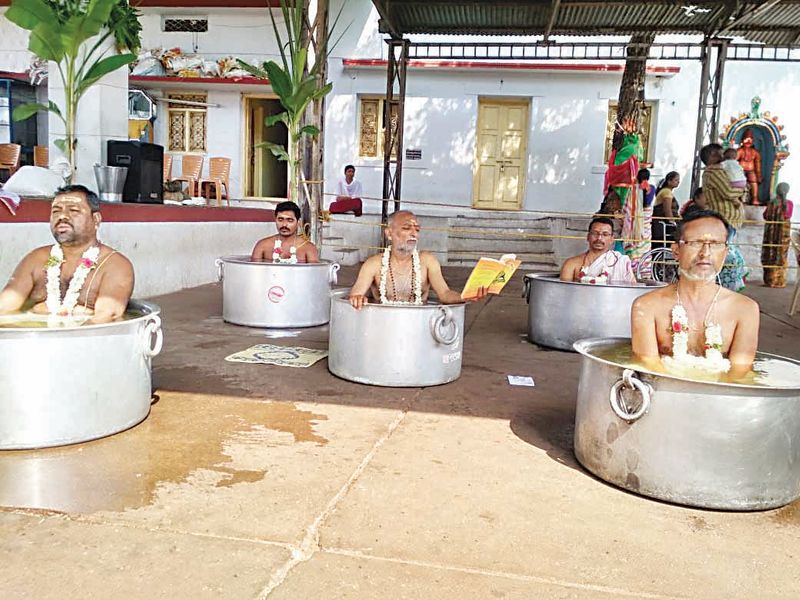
761 149
750 160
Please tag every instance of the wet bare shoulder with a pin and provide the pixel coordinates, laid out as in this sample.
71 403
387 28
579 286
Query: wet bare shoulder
428 258
739 304
653 299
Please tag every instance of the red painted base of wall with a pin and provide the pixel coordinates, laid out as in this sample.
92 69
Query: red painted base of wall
38 211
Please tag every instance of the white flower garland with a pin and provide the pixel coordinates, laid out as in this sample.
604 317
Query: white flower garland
276 254
56 306
712 362
416 273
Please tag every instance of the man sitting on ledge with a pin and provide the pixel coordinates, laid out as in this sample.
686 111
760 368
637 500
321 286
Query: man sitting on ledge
78 276
401 274
694 322
599 264
286 246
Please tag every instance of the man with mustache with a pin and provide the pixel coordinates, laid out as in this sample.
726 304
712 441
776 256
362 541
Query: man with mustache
78 276
402 274
286 246
599 264
696 321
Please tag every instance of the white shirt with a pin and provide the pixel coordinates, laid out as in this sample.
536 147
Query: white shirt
352 189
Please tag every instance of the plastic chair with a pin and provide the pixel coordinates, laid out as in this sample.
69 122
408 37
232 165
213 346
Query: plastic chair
167 167
795 241
191 168
219 170
9 157
41 156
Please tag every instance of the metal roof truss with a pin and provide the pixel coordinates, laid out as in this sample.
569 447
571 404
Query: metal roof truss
591 51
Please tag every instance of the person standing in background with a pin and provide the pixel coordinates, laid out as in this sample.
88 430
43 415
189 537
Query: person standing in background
777 232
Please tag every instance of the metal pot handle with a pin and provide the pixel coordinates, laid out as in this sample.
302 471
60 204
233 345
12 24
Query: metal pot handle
618 405
220 269
152 345
333 278
444 327
526 290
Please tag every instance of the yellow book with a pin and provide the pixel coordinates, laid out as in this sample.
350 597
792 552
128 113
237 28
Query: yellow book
492 274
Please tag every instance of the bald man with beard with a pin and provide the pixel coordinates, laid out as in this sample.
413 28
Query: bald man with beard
400 283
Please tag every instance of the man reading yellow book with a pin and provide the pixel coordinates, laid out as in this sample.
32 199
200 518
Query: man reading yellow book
401 274
491 274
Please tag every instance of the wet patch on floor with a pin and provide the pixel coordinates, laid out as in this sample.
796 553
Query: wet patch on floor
185 434
788 515
697 523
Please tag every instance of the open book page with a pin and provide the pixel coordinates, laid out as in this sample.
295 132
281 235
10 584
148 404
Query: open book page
490 273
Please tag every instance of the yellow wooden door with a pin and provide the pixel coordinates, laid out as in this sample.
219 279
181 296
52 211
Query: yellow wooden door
500 154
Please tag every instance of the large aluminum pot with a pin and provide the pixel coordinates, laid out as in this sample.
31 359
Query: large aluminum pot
712 445
562 312
265 294
396 346
63 386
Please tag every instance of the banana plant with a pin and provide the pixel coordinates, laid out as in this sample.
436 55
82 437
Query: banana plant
297 85
59 32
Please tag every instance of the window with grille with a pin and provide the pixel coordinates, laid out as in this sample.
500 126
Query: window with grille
184 25
370 127
645 128
187 124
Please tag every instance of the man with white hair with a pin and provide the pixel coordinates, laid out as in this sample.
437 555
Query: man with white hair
401 274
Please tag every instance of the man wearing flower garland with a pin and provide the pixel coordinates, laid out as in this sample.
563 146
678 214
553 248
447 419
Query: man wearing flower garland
286 246
401 274
693 323
600 264
76 277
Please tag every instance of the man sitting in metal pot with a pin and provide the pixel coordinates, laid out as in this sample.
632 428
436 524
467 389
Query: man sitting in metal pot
286 246
599 265
401 274
78 277
694 323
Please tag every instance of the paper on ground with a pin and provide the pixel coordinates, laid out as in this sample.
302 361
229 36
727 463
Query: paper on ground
521 380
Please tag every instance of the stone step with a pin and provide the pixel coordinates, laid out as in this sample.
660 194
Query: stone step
499 244
479 224
529 259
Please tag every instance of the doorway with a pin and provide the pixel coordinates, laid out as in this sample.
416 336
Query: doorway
500 154
265 176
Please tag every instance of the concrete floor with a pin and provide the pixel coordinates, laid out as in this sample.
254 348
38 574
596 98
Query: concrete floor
252 481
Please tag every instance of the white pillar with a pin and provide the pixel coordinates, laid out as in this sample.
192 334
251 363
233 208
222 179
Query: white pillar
102 116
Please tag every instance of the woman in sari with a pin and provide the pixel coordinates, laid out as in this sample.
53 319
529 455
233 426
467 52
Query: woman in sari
621 176
777 231
638 217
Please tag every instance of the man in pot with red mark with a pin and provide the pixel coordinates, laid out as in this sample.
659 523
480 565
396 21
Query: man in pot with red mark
695 323
78 278
600 264
286 246
401 274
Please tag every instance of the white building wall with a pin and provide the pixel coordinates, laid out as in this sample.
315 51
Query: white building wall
191 247
243 32
567 115
14 55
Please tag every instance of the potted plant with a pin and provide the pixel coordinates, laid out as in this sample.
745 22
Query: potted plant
59 32
297 84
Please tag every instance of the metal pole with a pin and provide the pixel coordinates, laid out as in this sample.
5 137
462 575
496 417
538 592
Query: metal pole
711 78
394 104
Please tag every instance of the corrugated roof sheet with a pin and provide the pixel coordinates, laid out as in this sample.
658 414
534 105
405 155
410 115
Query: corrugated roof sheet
772 23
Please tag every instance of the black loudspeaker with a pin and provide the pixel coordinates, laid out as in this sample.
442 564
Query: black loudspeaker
145 163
